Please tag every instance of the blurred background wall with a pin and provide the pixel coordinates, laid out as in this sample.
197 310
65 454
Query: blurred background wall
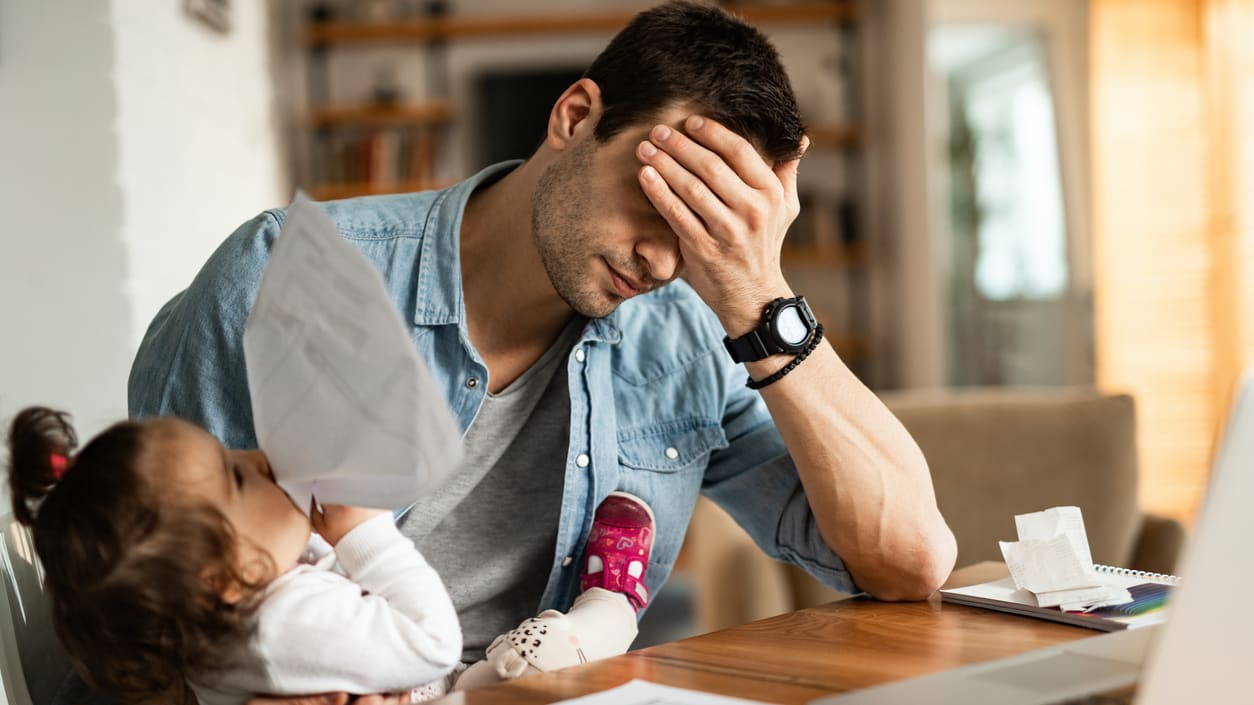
134 139
1007 192
1173 159
66 320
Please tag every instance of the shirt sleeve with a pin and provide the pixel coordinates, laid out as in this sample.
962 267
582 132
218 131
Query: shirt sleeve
190 363
755 480
390 627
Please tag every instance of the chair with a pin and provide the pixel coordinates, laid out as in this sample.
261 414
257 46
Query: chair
993 453
32 662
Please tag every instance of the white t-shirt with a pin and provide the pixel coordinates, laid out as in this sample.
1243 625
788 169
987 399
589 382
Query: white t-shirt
385 625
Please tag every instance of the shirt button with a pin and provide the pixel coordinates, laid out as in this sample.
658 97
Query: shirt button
579 355
672 453
472 382
566 561
583 460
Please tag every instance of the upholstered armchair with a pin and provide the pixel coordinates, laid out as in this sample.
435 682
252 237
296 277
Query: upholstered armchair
993 454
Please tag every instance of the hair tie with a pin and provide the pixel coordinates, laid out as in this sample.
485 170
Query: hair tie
59 463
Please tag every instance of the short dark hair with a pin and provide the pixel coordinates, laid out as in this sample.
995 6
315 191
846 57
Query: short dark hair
135 579
685 53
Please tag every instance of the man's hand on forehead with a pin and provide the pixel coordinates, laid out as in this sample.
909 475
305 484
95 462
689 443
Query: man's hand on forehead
729 209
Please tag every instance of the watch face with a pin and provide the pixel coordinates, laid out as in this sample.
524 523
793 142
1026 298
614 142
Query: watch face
790 327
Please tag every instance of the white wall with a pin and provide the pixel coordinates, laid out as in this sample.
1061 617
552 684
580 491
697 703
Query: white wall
65 319
198 140
133 140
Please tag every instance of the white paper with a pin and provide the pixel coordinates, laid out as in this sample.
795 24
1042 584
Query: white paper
1052 560
1047 524
343 406
1046 566
1085 597
638 692
1117 596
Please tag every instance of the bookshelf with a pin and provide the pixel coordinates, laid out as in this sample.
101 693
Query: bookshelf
452 27
833 136
836 256
425 113
427 119
390 145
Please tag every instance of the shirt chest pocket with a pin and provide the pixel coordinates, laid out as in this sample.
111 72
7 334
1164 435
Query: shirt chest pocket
670 447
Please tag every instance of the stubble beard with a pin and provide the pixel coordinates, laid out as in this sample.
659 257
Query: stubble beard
561 209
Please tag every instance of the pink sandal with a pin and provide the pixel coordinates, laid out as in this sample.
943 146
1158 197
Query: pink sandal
618 548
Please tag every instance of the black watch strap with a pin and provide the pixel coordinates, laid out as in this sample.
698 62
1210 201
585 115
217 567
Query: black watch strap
761 342
749 347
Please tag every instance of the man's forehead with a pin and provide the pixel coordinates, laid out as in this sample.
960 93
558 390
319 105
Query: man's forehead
673 117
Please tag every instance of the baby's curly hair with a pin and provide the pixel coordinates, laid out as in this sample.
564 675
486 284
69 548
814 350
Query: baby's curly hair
139 577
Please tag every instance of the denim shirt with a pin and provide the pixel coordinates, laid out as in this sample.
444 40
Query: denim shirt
657 407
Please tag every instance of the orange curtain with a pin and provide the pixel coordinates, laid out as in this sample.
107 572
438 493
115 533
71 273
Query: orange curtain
1173 246
1230 111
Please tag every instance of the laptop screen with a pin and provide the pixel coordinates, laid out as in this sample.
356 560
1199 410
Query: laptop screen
1203 652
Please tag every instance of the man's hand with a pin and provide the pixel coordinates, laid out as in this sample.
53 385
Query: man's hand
323 699
335 520
335 699
865 479
730 211
385 699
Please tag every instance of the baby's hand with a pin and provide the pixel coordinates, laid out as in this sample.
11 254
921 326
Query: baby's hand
335 520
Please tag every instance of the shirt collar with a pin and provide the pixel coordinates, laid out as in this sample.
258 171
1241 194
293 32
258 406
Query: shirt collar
440 299
604 329
439 291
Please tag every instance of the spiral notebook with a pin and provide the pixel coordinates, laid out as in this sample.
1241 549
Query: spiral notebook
1150 593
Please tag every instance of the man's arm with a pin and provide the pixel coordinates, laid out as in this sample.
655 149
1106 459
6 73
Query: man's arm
335 699
325 699
190 363
864 477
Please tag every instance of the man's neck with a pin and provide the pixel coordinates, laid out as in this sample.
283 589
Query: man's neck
513 314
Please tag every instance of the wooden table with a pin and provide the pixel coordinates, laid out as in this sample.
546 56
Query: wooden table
794 658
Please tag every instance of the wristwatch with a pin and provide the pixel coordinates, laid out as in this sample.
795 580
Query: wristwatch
786 327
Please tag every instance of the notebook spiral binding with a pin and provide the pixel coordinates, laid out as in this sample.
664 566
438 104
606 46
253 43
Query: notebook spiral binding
1152 577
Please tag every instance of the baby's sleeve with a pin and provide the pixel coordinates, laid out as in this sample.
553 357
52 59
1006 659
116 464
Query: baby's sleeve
391 626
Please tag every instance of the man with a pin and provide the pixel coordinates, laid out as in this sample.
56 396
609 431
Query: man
541 296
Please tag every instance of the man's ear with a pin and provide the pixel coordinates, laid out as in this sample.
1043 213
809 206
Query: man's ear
576 110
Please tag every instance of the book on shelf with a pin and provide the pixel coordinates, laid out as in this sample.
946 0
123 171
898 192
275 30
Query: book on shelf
1150 592
387 155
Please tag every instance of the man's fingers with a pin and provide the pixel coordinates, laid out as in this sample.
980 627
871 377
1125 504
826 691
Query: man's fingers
333 699
315 516
321 699
686 225
733 149
386 699
692 189
705 166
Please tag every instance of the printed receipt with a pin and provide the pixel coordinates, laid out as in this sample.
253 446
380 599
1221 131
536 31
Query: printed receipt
638 692
343 406
1052 560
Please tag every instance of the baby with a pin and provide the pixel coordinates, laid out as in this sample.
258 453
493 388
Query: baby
178 570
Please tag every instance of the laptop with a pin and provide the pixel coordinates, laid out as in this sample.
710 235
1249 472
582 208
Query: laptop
1201 654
